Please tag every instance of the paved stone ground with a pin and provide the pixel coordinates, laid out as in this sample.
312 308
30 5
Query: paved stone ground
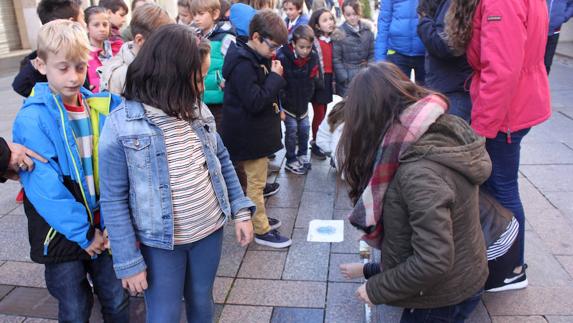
302 283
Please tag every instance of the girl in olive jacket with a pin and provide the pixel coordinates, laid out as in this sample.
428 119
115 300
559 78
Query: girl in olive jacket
415 194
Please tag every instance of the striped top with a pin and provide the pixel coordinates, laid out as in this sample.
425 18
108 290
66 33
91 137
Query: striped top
81 127
196 210
505 241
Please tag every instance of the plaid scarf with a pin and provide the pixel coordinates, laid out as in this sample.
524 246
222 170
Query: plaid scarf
414 122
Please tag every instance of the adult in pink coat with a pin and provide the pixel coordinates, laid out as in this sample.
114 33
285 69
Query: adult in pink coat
505 44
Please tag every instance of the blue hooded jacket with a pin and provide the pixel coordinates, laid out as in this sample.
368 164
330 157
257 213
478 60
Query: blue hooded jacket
397 24
240 17
559 12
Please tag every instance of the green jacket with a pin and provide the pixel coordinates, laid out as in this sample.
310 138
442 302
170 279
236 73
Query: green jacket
214 81
433 252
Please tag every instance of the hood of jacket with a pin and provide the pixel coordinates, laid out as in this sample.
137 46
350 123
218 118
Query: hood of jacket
240 51
221 29
241 16
452 143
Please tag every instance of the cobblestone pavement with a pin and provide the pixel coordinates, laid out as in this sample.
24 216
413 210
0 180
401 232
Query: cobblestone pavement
302 283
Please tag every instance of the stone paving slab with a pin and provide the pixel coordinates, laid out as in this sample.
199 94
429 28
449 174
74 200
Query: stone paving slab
321 179
11 319
297 315
263 264
254 314
278 293
341 304
306 260
519 319
221 289
8 197
290 193
531 301
351 235
546 153
550 178
479 315
5 290
26 301
231 255
559 319
544 270
342 201
22 274
314 205
555 231
15 246
567 263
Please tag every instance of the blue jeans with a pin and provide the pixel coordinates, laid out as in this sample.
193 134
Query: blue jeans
502 183
448 314
409 63
188 270
460 105
67 282
297 132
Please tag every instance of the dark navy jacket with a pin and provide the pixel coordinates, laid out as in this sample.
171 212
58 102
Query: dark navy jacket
251 127
445 72
27 77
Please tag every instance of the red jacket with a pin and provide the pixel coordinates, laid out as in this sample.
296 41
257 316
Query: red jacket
509 88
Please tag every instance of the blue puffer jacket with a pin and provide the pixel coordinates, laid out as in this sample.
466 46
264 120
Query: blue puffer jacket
397 23
559 12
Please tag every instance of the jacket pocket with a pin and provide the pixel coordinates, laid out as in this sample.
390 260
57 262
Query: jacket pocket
137 151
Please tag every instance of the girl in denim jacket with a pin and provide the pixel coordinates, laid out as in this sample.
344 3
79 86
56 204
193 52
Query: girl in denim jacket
167 184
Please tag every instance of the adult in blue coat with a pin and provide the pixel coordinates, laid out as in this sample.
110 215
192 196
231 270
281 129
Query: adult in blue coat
397 40
446 72
559 12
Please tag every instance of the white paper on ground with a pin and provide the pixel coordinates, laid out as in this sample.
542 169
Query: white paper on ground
326 231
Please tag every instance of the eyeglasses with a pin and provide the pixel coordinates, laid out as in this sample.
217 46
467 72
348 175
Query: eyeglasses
271 46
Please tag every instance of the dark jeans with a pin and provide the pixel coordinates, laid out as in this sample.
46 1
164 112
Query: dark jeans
448 314
67 282
297 133
460 105
550 51
188 270
502 183
409 63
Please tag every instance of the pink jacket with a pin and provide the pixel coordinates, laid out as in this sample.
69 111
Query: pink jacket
509 89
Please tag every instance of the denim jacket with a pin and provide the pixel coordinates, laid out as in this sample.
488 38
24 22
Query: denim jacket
134 183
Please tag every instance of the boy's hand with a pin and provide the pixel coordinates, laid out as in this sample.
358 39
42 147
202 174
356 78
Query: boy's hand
277 67
362 295
98 244
136 283
106 239
244 232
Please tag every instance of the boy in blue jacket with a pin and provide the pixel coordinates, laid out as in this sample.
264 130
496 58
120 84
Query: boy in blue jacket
560 11
61 121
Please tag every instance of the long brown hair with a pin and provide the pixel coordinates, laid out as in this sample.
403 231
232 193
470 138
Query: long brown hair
458 24
376 98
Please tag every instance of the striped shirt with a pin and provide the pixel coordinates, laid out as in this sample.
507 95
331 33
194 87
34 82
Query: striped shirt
196 210
505 241
81 127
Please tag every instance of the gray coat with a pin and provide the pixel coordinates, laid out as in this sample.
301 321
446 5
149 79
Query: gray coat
351 52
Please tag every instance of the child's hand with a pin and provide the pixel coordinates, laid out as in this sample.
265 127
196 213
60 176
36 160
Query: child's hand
136 283
282 115
106 238
98 244
244 232
277 67
352 270
363 295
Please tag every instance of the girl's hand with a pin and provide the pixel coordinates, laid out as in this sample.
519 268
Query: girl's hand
136 283
244 232
362 295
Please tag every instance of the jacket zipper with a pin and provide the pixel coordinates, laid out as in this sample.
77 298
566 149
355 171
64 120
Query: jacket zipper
52 232
508 134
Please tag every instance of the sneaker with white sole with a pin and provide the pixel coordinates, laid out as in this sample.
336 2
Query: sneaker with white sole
271 189
295 167
274 223
514 281
273 239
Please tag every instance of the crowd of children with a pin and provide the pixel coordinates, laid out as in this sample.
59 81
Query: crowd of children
157 135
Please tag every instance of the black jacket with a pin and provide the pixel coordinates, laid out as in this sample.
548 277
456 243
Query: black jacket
301 82
445 72
251 126
4 158
27 77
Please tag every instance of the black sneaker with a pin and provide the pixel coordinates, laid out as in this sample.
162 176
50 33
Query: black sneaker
271 189
272 156
514 281
273 239
317 152
274 223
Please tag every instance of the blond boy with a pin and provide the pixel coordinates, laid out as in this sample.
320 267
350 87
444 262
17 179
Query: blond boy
61 121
